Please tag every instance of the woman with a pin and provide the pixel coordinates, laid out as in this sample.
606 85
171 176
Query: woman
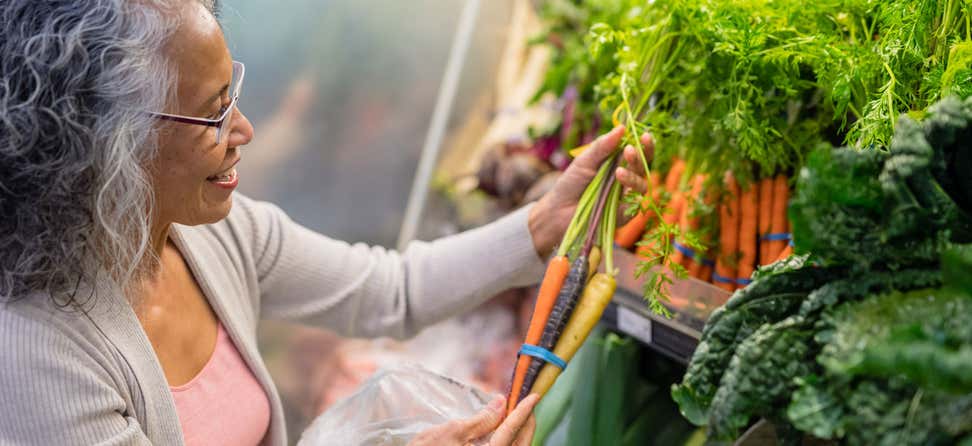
133 277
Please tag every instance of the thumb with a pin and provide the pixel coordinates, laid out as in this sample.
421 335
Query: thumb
603 146
485 421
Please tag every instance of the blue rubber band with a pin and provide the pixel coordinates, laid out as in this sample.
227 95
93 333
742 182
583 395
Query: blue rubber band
685 250
544 354
777 237
722 279
742 281
688 252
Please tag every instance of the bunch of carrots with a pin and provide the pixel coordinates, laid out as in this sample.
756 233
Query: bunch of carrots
573 295
753 229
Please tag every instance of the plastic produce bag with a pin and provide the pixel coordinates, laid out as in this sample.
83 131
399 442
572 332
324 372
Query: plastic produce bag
392 407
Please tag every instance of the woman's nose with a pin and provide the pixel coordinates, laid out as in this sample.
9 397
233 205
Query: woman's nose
241 130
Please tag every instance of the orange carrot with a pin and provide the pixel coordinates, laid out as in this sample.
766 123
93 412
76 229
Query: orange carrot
553 280
765 218
748 233
778 223
727 263
673 208
688 222
788 251
677 200
705 274
672 215
627 235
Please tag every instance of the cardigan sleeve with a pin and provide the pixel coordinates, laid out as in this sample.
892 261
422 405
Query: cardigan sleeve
53 391
369 291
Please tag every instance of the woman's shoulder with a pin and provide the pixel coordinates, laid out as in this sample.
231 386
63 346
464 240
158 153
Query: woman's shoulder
38 324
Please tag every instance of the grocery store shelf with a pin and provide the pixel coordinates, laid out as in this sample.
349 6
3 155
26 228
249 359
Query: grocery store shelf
692 301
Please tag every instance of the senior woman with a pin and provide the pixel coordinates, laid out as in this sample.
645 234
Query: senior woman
133 277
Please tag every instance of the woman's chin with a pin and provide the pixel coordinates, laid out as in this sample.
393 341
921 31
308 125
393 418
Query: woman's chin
212 211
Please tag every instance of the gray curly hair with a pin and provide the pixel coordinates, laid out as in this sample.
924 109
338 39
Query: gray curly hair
75 198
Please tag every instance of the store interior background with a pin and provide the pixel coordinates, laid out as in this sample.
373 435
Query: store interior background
341 94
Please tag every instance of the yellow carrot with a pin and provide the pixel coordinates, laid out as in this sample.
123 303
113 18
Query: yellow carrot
594 259
590 307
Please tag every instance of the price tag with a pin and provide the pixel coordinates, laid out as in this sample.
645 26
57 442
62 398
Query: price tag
634 324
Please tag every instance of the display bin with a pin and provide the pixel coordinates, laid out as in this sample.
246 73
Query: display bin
691 301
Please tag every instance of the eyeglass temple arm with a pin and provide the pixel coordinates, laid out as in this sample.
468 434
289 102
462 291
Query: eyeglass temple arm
186 120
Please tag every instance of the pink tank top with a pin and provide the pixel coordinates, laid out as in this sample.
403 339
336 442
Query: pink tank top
224 404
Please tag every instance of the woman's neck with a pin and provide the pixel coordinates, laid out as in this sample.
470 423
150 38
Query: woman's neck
160 237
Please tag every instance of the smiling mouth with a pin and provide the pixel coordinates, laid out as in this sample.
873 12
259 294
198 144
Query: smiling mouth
227 176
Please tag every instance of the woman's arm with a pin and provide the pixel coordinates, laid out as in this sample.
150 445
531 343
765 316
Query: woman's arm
359 290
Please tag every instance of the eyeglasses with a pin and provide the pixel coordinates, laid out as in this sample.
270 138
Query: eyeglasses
222 123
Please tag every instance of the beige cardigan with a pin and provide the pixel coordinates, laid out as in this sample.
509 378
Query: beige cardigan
72 378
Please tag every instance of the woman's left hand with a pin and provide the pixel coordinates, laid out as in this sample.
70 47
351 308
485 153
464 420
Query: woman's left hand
551 215
487 428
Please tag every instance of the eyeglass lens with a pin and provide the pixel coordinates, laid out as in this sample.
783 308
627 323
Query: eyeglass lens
236 82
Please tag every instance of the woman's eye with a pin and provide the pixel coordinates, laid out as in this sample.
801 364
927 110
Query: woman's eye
219 113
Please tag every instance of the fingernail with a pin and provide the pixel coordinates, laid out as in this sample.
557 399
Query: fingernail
498 403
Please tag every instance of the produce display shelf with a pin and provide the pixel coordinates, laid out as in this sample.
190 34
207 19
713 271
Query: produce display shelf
691 303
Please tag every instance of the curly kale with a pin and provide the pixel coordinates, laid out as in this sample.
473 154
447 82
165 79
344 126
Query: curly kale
895 371
760 377
895 209
839 291
947 129
956 264
878 412
773 296
837 206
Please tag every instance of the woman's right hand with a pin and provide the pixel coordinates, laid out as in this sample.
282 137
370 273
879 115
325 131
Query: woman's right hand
516 430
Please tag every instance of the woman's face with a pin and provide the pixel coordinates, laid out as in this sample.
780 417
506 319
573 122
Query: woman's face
193 177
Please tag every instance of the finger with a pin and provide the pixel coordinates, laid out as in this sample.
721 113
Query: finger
648 143
603 146
525 436
634 159
630 180
484 422
514 422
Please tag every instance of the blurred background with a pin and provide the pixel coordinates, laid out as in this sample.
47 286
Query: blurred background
341 93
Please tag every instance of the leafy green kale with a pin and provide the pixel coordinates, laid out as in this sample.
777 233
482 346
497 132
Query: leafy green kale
895 371
760 377
772 297
956 265
871 209
838 205
947 129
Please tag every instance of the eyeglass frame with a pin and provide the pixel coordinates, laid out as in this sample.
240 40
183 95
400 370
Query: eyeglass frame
218 122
